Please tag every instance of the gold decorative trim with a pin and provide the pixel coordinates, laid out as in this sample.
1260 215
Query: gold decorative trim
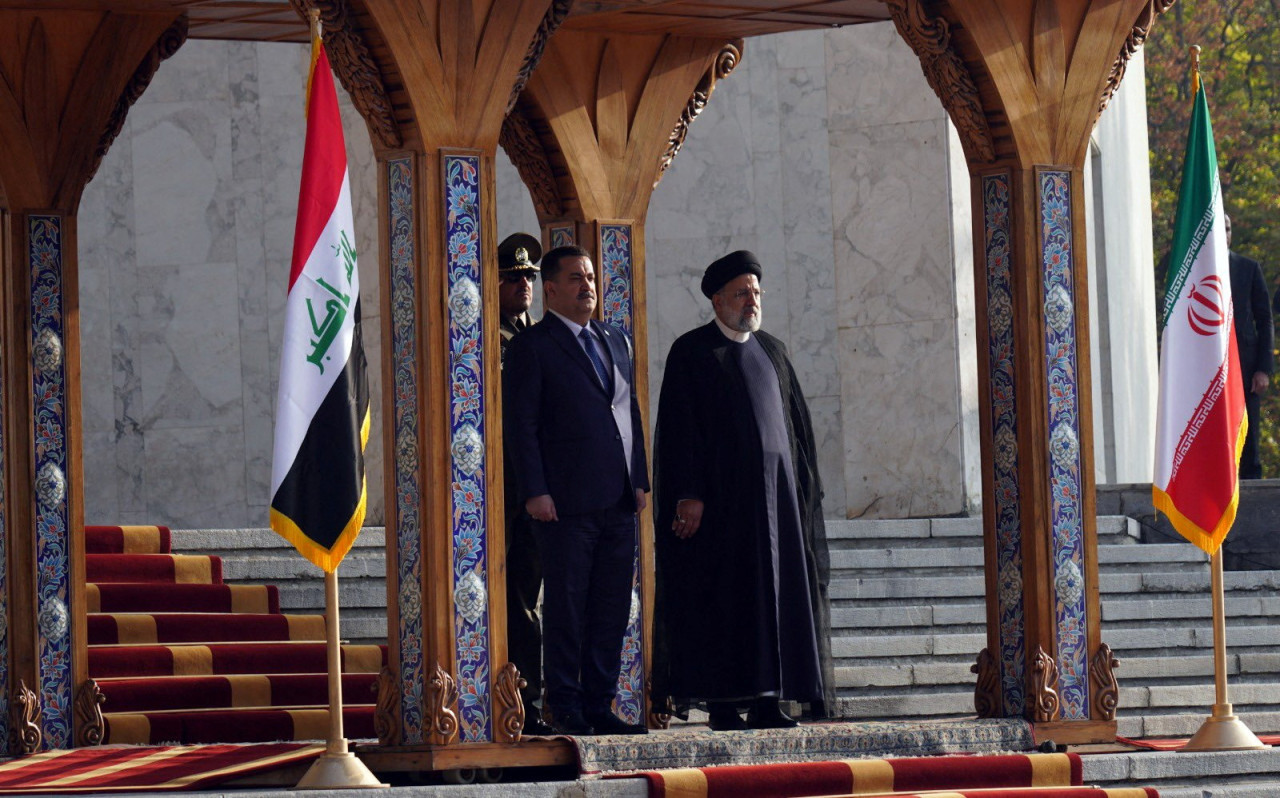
356 69
725 62
550 23
1102 680
1137 38
442 697
947 73
169 42
26 720
386 715
1044 685
90 728
522 145
509 703
987 697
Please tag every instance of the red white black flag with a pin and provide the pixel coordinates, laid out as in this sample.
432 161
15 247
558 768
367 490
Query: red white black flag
322 416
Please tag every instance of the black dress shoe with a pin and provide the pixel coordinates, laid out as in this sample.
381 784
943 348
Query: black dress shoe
536 727
609 723
725 717
572 724
768 715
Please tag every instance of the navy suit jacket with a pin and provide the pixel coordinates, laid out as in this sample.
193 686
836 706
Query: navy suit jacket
560 424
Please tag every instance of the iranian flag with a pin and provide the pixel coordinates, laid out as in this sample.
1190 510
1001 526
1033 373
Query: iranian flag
1201 420
322 416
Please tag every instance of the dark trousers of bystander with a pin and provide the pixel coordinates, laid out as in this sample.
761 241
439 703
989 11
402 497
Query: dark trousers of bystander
1251 457
587 563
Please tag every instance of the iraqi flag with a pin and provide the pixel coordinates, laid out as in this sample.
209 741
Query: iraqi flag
322 416
1201 420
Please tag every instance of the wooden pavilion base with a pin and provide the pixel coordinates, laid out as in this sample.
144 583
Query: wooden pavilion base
526 753
1076 732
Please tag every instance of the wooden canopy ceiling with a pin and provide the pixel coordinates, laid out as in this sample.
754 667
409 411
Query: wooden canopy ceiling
276 20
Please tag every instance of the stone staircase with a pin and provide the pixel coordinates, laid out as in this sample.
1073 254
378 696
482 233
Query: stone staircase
908 620
908 616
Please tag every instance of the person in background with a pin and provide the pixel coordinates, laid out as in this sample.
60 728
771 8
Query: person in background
1255 334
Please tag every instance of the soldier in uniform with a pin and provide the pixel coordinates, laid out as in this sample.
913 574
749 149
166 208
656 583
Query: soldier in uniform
518 255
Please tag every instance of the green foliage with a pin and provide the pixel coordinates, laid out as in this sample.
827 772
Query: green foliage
1240 66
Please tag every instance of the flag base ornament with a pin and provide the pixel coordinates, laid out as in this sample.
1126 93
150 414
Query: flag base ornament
339 770
1223 731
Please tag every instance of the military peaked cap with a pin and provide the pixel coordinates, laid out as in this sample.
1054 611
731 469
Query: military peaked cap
518 253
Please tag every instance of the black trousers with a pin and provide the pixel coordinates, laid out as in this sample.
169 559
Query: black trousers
1250 456
524 580
587 563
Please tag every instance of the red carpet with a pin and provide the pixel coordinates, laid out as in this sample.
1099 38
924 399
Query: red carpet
182 657
872 776
138 769
1177 743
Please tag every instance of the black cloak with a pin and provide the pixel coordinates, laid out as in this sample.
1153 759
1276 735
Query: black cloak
706 446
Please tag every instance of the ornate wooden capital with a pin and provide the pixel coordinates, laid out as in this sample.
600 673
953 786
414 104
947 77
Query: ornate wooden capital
90 728
1044 687
987 698
26 720
386 712
510 704
168 43
726 60
1137 38
1103 684
356 68
659 712
550 22
947 73
442 697
522 145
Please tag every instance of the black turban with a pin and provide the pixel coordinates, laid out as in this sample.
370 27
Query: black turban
727 268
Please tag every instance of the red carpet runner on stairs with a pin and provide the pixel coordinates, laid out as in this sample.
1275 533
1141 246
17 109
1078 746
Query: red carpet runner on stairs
183 658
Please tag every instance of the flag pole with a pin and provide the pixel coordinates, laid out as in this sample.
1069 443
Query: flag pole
337 767
1221 731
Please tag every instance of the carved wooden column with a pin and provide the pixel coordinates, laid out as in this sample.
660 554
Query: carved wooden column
434 97
63 98
1024 84
591 152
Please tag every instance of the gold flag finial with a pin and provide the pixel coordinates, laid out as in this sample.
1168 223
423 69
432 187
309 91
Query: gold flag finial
1195 69
317 36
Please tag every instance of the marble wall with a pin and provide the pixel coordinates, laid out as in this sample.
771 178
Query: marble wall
825 152
186 234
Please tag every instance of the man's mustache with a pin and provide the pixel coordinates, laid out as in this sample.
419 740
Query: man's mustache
586 295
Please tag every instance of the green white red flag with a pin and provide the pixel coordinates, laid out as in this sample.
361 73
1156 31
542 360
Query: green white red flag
322 415
1201 421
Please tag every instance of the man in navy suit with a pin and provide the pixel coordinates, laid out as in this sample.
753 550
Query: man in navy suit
574 436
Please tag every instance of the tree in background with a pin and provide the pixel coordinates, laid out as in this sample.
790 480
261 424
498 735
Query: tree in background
1240 66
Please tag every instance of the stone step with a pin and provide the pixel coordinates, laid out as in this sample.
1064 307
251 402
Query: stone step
846 588
1219 774
968 560
908 532
241 541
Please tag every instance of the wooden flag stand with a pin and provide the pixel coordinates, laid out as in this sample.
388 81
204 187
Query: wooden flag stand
1222 731
338 768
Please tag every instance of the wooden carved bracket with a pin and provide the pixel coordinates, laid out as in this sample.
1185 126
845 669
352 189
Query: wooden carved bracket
1137 37
726 61
947 73
168 43
659 712
522 145
90 728
26 720
1044 685
442 697
1103 684
987 698
386 713
550 22
509 703
356 68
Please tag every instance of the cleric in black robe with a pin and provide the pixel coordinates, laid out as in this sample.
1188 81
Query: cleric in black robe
743 617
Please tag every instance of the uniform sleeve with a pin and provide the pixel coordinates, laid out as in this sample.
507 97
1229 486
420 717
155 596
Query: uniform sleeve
521 398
